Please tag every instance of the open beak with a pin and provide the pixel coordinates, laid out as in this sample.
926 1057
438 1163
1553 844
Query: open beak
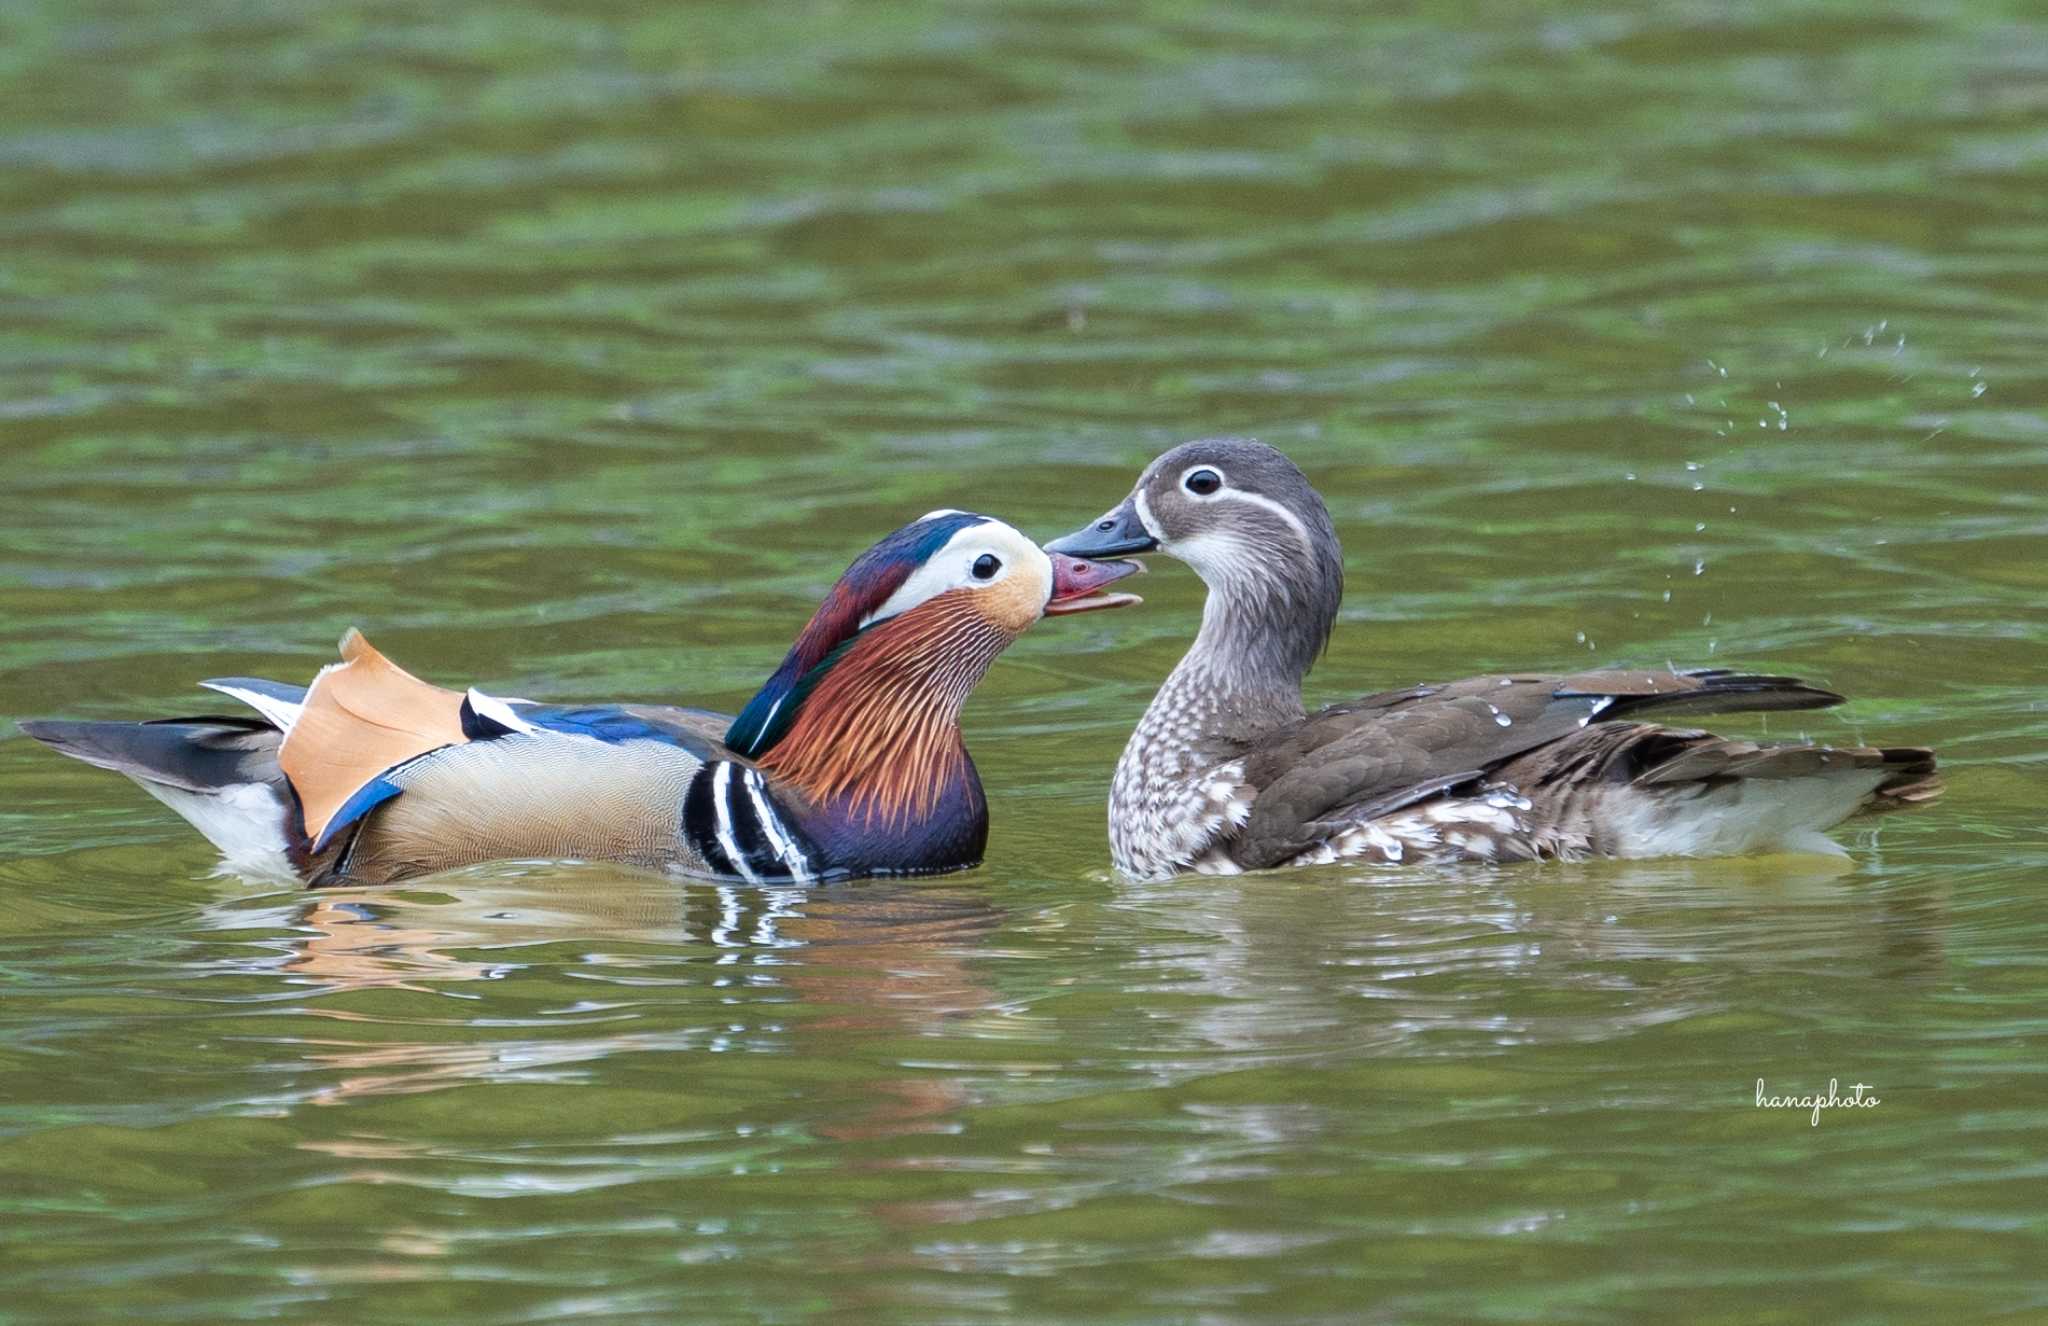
1076 582
1117 532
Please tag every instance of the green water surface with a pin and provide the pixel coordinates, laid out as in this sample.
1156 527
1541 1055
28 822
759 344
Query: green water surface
572 347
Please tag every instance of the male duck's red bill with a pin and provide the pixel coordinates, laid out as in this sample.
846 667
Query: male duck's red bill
1077 584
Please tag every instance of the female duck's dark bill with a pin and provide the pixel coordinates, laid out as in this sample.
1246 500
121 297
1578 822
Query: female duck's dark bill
1118 531
1075 583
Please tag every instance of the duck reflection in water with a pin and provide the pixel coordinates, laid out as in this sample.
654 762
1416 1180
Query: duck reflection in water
820 971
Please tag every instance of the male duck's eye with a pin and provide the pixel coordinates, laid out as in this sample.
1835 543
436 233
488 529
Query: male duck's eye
986 566
1204 482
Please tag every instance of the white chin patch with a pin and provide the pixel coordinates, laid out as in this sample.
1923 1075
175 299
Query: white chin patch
1214 557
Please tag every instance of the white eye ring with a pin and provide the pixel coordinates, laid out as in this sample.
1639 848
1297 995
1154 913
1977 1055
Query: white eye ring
1187 475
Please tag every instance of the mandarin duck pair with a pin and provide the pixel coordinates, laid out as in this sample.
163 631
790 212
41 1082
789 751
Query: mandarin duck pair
849 761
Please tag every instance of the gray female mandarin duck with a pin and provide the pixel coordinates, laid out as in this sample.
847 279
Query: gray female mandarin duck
1227 772
848 761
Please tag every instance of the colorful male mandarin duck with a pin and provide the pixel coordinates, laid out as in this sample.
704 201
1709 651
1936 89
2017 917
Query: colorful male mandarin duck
848 762
1227 772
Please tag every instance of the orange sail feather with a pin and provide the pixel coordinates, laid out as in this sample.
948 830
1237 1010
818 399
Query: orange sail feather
361 717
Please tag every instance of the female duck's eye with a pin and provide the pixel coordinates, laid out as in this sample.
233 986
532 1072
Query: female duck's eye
1204 482
986 566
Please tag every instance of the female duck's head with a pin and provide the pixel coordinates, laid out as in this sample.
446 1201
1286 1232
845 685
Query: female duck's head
878 675
1250 524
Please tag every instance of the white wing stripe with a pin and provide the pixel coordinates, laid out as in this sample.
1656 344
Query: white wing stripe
281 712
795 861
721 791
498 711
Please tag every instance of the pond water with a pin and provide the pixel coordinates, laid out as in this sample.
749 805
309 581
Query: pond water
572 348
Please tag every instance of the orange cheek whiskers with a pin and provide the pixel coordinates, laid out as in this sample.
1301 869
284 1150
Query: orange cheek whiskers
880 732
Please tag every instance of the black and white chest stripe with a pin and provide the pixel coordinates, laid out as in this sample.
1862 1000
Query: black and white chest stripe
734 824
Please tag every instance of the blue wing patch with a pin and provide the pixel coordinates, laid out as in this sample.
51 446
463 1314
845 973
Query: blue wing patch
365 799
607 723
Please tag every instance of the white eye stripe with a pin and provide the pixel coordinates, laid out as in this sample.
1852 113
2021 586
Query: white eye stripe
1227 493
1294 522
952 567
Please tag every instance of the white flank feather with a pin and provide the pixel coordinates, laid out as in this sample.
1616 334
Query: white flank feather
283 713
244 820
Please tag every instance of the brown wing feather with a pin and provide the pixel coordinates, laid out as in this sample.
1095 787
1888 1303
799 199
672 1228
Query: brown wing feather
361 717
1375 754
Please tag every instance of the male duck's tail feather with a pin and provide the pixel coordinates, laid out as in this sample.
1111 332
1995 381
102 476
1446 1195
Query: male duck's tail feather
195 754
220 774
